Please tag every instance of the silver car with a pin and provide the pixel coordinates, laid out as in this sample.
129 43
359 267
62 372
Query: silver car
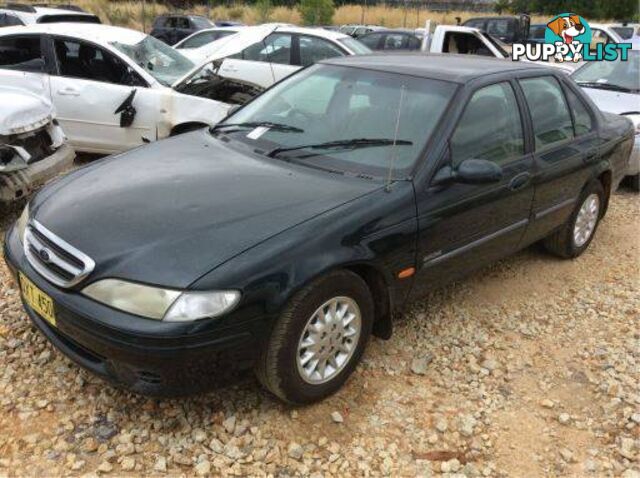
614 86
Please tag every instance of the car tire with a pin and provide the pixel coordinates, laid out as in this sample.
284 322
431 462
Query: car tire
284 367
574 237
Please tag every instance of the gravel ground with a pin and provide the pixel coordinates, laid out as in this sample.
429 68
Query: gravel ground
528 368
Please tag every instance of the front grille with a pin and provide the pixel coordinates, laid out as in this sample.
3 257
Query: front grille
53 258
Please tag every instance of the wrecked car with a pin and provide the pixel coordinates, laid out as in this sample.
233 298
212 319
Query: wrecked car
113 88
268 53
286 235
33 147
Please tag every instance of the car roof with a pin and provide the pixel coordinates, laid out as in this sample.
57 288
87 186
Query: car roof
446 67
39 12
318 32
102 34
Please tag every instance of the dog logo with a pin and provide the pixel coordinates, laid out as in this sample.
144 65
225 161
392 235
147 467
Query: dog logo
568 29
568 38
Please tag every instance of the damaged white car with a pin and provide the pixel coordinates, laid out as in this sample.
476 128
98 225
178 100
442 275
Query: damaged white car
113 88
33 147
265 54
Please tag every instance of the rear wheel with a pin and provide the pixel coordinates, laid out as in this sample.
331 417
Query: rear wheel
319 339
574 237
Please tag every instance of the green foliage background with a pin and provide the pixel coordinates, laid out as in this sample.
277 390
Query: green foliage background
612 9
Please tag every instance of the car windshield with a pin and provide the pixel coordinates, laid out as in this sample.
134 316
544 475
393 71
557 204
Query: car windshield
344 119
160 60
620 75
626 33
356 46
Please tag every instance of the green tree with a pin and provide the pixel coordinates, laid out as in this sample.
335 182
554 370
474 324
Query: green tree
316 12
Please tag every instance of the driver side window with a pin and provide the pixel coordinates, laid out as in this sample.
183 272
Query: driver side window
490 127
88 62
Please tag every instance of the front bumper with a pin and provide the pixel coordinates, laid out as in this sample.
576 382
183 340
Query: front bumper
147 357
20 183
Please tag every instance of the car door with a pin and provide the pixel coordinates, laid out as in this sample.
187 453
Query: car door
565 139
23 63
465 226
89 85
263 63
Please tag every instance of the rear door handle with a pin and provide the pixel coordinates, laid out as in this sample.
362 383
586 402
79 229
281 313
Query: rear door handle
519 181
69 92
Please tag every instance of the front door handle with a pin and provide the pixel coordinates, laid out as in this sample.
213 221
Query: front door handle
69 92
519 181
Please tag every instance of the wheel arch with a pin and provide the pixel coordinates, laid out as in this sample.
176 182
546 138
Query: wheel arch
606 178
186 127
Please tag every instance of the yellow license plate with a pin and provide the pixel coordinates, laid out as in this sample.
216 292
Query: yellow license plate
40 302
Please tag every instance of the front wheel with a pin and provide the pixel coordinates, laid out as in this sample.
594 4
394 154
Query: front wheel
318 340
574 237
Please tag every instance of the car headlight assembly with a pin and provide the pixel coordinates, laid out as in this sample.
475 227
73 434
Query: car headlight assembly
21 223
161 304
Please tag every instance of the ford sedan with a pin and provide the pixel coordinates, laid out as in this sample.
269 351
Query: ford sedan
282 238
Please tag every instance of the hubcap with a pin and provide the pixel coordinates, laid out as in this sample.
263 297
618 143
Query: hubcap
586 220
329 340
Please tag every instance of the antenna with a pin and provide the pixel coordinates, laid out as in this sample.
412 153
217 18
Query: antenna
394 149
264 42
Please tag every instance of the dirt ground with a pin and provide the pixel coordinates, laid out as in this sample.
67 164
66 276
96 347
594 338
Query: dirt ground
528 368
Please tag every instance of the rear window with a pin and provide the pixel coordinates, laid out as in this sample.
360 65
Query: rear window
69 18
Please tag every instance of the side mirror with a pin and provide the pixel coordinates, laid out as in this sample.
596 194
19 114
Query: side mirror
470 171
478 171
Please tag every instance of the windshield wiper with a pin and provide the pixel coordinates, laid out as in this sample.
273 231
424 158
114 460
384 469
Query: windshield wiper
346 144
605 86
255 124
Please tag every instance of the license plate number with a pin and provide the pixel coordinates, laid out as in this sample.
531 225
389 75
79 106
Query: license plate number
40 302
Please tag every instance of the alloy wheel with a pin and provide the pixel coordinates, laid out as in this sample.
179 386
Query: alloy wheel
586 220
329 340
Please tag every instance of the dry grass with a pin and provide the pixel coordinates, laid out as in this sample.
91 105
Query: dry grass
129 14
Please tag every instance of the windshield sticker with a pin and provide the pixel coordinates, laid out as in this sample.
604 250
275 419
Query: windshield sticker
256 133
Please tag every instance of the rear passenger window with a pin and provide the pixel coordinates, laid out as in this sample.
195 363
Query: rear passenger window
582 121
276 48
490 127
549 111
21 53
313 50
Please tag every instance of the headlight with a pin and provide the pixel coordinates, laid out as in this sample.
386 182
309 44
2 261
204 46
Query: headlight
161 304
21 223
